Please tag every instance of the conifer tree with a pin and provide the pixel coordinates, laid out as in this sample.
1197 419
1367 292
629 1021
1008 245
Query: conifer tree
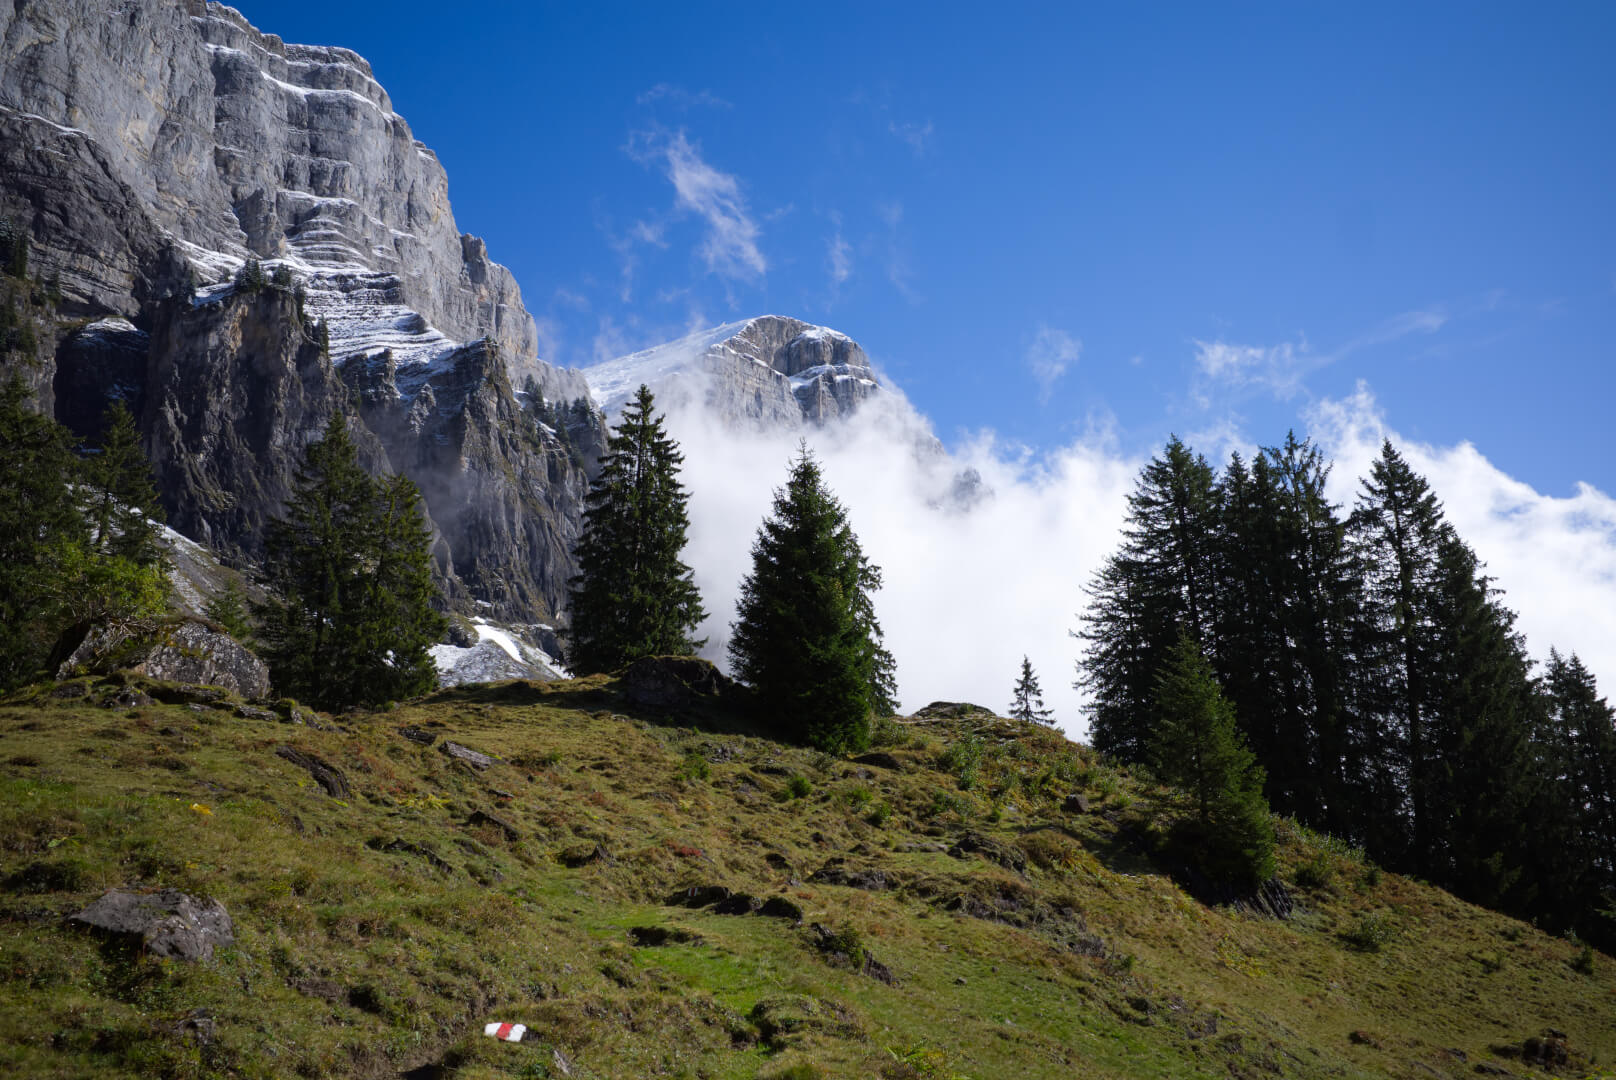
1197 746
806 638
1397 529
352 614
633 596
123 495
38 518
1027 698
228 607
1163 578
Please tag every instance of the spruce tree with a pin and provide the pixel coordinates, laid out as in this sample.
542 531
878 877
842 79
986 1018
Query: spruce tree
39 517
1027 698
1397 529
1197 746
123 496
633 596
1163 578
806 638
351 615
228 607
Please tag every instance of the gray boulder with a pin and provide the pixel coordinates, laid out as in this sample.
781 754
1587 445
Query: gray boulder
166 923
183 652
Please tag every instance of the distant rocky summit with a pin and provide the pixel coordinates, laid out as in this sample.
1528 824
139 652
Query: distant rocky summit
769 372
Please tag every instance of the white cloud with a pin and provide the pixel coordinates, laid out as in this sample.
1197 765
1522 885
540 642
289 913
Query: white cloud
970 589
684 99
1554 556
730 246
967 592
1276 368
1052 351
918 136
839 255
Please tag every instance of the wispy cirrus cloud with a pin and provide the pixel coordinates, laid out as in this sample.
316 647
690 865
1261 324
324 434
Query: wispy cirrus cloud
1049 356
838 255
730 244
678 96
917 136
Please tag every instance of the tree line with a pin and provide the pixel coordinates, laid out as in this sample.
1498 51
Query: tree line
1373 671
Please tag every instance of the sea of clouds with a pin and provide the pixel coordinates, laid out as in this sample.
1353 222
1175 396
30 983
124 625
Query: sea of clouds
977 575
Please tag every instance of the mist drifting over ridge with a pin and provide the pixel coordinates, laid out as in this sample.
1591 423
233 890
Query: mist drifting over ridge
986 546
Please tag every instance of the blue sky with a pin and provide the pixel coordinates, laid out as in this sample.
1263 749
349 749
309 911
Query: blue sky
1416 195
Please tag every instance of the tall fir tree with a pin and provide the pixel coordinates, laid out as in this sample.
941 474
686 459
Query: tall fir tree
39 517
1163 579
1197 745
633 595
1574 829
1397 529
806 638
123 498
1027 698
351 615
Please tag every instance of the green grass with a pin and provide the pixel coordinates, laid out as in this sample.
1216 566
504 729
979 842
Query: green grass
378 933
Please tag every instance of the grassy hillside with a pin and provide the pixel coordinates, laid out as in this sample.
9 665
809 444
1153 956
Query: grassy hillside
974 926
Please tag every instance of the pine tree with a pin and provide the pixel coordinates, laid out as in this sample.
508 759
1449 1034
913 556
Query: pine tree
633 596
1197 745
124 502
806 638
352 614
1163 579
1027 698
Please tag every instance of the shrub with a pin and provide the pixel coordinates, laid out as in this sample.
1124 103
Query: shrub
798 787
879 813
1315 873
694 768
1584 963
1371 933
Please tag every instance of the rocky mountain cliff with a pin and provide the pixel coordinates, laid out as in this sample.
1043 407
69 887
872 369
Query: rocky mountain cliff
151 150
769 371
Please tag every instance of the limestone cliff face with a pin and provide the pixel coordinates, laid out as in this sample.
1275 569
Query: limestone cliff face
770 372
150 148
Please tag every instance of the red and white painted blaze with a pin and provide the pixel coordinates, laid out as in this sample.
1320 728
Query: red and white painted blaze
508 1032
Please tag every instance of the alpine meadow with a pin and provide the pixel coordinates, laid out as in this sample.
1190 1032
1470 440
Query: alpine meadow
1172 639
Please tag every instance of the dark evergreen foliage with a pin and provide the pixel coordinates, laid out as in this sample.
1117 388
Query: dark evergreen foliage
633 596
1374 672
352 614
1197 746
55 579
1162 581
229 608
124 506
1027 698
806 638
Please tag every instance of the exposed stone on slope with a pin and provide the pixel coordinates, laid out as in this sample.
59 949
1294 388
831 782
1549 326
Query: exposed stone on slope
166 923
181 652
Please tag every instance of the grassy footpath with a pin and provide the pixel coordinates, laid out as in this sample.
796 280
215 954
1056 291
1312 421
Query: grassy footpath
378 931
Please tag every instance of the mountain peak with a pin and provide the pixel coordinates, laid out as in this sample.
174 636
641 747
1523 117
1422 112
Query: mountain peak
766 371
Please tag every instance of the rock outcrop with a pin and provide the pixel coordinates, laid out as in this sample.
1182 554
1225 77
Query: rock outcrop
167 923
150 149
181 652
768 372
